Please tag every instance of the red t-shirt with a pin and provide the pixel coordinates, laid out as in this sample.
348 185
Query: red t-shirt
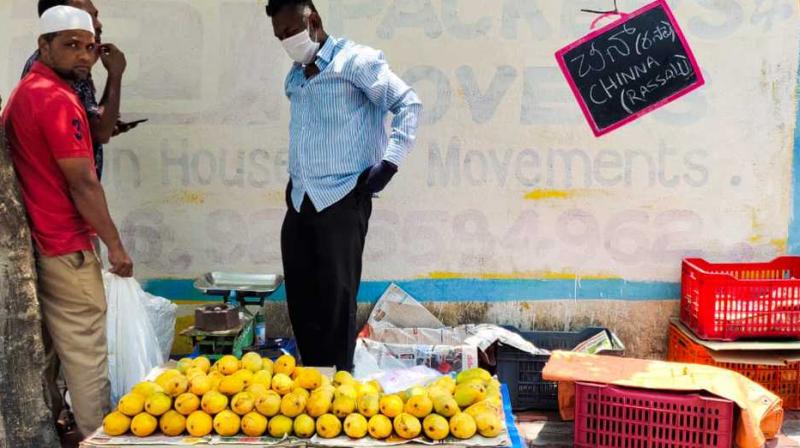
44 122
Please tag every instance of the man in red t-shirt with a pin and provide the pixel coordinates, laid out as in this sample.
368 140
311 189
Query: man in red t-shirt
51 147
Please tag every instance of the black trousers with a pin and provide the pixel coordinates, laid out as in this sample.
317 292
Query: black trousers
322 254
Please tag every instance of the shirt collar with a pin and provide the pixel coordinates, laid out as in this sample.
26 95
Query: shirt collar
326 53
47 72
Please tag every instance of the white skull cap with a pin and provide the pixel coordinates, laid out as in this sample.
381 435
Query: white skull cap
65 18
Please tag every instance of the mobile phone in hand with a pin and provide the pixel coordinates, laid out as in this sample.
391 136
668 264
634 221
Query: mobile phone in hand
125 127
136 122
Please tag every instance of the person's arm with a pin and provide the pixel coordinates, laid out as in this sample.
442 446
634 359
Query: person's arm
104 122
391 94
90 200
62 124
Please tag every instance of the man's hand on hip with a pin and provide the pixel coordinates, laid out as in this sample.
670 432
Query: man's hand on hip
379 176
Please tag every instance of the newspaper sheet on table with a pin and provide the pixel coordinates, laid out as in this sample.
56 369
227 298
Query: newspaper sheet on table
396 308
399 319
481 336
602 341
372 357
502 440
100 439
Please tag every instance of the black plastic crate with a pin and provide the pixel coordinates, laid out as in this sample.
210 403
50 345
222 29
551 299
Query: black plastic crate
522 372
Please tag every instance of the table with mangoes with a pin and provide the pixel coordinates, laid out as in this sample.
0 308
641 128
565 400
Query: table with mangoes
257 401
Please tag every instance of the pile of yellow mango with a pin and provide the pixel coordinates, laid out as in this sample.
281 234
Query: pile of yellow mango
256 397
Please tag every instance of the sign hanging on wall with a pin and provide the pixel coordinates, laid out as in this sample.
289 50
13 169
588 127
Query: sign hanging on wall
630 67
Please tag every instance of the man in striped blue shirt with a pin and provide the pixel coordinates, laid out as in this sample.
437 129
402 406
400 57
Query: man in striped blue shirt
339 156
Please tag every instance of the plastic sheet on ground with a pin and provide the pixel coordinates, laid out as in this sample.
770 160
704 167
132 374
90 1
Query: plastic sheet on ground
761 414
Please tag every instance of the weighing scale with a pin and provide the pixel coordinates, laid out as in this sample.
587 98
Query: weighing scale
236 290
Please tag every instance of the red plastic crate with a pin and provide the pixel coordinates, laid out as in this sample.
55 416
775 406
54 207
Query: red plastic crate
726 302
615 417
783 381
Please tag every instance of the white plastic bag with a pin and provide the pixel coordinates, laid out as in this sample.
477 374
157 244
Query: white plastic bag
162 314
392 374
133 348
366 364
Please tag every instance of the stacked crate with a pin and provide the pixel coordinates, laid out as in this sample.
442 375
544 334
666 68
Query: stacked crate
722 305
734 302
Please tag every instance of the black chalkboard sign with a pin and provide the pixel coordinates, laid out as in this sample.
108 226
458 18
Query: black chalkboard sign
630 67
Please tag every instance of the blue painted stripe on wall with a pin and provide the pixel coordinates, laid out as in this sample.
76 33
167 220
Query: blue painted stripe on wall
794 222
458 290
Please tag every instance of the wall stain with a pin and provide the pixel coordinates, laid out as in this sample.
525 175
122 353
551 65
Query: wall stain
756 226
187 197
545 195
540 195
642 326
780 245
454 314
274 196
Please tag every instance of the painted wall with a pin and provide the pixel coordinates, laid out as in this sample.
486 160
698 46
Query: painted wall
507 197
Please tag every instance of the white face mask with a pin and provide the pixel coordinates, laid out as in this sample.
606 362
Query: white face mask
300 47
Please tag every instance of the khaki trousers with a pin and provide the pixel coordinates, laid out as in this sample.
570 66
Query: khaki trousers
74 313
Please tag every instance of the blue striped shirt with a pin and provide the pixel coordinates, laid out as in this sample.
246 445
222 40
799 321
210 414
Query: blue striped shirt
337 127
